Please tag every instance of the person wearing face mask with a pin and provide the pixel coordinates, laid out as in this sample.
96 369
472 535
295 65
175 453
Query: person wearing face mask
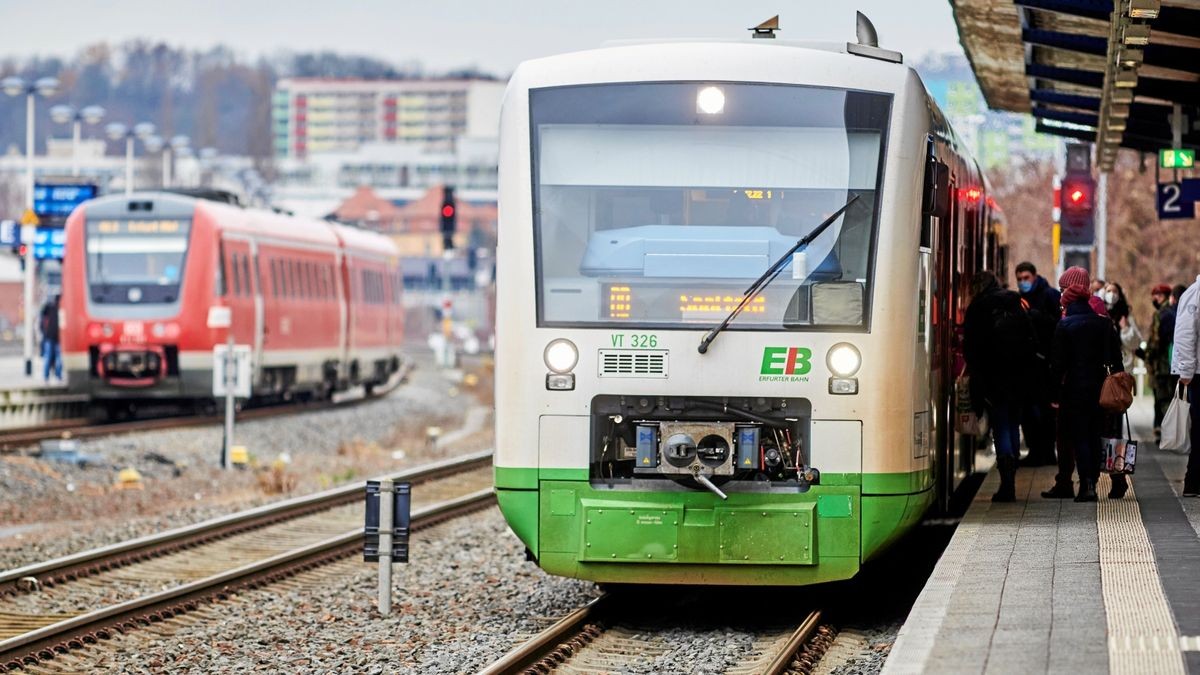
1118 310
1158 353
1038 418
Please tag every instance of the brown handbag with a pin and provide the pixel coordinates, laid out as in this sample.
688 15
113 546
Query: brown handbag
1116 394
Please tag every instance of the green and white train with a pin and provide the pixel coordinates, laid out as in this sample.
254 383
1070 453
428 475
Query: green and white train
643 190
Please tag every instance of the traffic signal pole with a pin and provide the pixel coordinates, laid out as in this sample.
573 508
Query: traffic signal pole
1101 227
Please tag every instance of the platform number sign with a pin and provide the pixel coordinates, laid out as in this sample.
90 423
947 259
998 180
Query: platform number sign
1178 200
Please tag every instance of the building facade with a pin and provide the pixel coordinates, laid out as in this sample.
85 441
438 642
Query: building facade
318 115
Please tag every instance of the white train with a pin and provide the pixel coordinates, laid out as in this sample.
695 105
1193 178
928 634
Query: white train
643 190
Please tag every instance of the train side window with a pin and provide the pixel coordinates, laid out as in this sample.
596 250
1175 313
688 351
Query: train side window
310 282
291 279
237 274
246 275
274 279
219 281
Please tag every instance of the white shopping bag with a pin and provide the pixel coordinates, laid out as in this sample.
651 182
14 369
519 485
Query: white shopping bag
1176 424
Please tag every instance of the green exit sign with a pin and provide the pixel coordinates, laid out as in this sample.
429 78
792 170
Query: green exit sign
1176 158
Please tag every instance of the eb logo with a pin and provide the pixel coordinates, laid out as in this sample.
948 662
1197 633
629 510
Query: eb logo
786 361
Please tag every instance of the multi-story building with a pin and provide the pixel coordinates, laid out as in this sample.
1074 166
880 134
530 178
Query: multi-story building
317 115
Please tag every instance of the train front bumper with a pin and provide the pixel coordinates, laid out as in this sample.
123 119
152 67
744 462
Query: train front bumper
587 532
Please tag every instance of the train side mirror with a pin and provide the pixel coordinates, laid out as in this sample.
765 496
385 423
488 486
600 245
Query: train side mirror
936 199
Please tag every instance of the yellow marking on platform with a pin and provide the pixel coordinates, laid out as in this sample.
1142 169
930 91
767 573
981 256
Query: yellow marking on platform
1142 636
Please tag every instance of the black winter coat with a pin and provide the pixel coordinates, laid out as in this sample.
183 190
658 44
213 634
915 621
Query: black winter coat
1044 311
998 345
1084 343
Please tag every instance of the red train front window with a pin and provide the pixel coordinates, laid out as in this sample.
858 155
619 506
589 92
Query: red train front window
136 261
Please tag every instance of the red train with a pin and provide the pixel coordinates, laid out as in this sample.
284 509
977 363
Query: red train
319 302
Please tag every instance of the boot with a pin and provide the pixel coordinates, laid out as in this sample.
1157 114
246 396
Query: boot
1060 490
1087 491
1120 485
1007 466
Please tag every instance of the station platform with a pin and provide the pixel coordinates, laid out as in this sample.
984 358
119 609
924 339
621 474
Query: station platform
1054 586
12 375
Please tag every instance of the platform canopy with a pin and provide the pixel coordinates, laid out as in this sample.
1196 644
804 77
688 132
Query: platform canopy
1120 73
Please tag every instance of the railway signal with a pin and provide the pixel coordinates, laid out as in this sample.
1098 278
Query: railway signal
449 215
1078 203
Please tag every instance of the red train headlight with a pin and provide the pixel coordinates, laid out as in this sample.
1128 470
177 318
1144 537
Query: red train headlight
93 331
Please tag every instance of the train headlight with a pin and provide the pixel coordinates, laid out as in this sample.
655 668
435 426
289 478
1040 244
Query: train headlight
843 360
710 101
561 355
159 330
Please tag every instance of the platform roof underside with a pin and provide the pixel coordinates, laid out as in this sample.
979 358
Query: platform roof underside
1061 61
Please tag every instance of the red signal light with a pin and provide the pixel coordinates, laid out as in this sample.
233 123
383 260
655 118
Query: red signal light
448 211
1076 196
22 250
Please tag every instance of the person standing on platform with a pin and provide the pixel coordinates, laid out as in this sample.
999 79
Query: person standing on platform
999 347
1130 338
1085 348
1158 352
1038 418
51 350
1185 363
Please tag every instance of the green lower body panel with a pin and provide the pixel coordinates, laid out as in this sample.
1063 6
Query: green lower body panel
753 538
697 538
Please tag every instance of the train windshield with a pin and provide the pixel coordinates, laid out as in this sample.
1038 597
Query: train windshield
136 261
657 204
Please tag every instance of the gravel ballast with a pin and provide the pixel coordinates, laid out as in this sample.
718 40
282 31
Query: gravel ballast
50 509
467 597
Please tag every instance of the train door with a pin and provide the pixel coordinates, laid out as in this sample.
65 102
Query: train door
943 373
240 290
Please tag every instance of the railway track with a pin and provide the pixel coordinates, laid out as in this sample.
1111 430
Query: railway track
71 602
598 638
80 427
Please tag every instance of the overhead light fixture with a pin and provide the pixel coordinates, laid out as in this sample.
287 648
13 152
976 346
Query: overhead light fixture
1137 34
1118 111
1131 57
1124 96
1113 138
1126 79
1143 9
1116 125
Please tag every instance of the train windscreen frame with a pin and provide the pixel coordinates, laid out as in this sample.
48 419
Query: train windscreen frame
136 260
657 203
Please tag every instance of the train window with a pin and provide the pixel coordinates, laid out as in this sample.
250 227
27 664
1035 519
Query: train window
219 280
648 214
237 274
274 278
246 275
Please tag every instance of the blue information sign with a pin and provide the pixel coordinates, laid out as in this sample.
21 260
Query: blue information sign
1178 200
60 199
49 243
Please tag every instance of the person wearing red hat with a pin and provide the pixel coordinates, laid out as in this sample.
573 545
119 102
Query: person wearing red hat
1085 347
1158 353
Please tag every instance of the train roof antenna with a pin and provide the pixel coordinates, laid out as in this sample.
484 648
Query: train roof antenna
866 31
767 28
868 43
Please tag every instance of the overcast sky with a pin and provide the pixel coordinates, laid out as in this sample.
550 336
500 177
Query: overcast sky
492 34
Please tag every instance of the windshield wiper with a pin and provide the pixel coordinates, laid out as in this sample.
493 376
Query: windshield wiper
769 275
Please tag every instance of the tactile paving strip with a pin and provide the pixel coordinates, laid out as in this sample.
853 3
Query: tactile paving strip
1142 636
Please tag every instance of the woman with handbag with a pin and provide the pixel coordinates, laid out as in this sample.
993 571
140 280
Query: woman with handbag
1086 348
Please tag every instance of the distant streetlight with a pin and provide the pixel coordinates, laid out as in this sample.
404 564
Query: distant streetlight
116 131
15 86
178 145
63 114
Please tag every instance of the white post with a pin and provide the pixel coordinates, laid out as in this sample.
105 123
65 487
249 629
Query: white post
27 233
166 166
230 379
129 165
1102 227
386 497
76 132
